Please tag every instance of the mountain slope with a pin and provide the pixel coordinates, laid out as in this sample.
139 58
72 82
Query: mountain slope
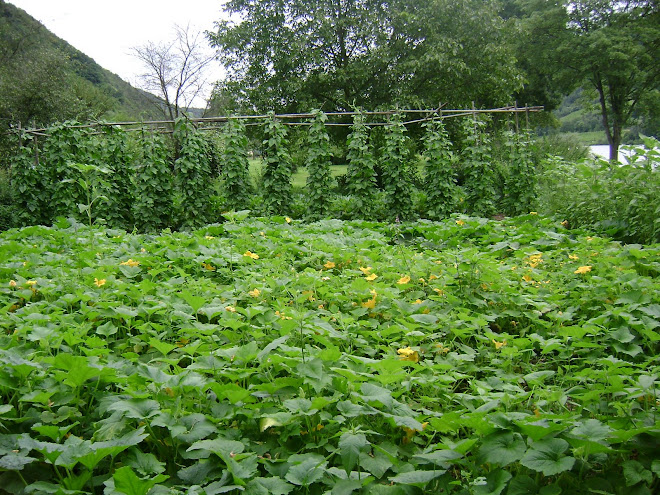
44 79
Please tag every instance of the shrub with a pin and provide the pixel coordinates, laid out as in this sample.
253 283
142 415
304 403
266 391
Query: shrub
618 200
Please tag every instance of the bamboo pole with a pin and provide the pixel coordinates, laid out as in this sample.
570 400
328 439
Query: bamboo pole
431 114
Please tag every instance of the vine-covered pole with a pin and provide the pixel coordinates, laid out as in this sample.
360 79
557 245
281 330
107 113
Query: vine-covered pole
286 119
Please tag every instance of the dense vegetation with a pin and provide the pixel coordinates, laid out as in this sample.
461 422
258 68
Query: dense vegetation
379 307
269 356
145 181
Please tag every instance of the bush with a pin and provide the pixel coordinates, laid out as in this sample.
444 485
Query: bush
618 200
7 210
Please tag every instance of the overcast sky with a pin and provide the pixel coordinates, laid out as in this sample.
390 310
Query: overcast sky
106 31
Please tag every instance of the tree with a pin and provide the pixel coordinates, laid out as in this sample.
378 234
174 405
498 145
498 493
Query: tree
612 48
292 55
175 71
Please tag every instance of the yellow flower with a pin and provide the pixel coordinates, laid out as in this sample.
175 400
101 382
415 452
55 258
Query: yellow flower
460 222
288 220
31 282
583 269
250 254
282 316
208 237
499 345
527 278
403 280
371 277
442 349
366 270
262 234
439 291
533 213
432 277
99 283
254 292
130 262
209 267
573 257
329 265
371 303
231 309
408 354
418 301
535 259
565 223
12 283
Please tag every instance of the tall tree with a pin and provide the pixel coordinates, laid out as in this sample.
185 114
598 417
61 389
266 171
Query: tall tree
611 48
289 55
175 71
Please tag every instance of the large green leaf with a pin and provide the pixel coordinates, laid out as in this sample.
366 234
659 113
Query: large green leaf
547 456
350 447
496 482
15 462
128 483
502 448
307 471
419 478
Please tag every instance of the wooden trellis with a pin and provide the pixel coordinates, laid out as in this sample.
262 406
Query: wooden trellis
302 119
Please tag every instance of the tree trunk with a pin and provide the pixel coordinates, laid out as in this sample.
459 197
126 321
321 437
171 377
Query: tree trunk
614 133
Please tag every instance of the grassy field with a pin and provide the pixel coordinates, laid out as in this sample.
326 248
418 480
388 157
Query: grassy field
299 179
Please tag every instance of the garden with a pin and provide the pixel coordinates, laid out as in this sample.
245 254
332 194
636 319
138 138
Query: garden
467 315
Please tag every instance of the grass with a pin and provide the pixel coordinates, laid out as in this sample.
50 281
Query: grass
299 179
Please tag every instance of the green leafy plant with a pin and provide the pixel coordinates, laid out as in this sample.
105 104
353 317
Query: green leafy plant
193 177
397 175
152 185
319 180
479 174
235 165
360 174
91 182
440 179
262 355
615 199
521 177
277 168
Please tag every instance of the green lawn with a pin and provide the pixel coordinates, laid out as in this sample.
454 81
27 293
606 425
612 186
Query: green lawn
299 179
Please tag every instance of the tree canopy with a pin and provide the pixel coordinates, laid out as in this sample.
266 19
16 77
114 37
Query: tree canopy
611 48
288 55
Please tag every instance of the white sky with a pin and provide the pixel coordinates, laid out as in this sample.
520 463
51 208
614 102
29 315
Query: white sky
106 31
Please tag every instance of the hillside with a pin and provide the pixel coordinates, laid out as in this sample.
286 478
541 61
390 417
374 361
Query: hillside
46 79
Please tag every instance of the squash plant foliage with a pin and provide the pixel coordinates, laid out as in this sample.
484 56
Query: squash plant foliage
262 356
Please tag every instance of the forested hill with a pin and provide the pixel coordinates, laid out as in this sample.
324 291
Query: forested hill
44 79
